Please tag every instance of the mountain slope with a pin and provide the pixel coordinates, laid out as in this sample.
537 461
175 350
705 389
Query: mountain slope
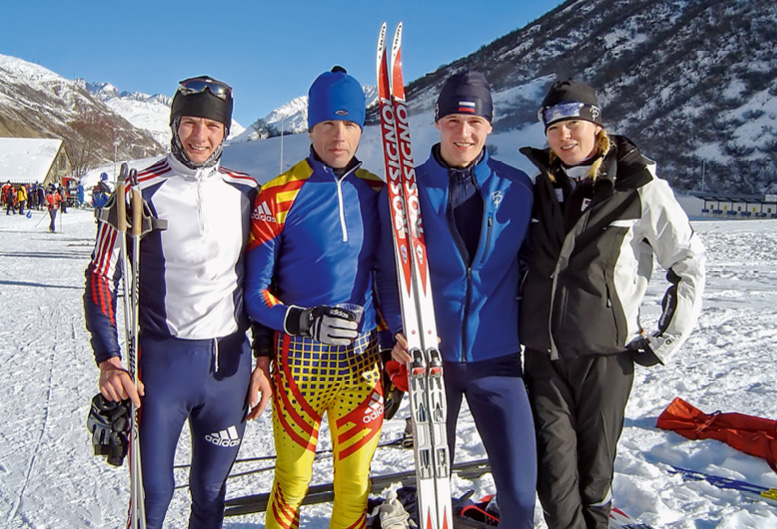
146 112
693 82
291 118
35 102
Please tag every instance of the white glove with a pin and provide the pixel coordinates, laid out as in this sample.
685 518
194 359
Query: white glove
392 514
328 325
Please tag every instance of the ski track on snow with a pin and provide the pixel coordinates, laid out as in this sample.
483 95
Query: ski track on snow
35 449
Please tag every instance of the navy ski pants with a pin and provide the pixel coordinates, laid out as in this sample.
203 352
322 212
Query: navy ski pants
497 399
206 382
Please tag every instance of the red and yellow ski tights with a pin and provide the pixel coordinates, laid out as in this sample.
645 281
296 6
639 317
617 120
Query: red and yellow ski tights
311 379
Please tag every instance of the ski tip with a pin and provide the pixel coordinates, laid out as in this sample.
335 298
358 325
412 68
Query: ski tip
381 40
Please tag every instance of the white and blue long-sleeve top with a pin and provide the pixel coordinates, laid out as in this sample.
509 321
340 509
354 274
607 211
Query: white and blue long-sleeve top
191 273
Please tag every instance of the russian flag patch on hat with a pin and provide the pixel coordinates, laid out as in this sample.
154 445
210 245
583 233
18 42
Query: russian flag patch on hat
466 107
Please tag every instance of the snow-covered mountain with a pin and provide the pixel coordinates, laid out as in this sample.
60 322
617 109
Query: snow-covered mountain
36 102
150 113
89 117
147 112
692 82
291 118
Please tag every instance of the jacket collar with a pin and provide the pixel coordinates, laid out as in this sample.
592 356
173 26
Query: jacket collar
624 167
479 168
319 166
179 169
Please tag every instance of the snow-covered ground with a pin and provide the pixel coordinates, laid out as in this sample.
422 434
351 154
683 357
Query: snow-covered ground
50 479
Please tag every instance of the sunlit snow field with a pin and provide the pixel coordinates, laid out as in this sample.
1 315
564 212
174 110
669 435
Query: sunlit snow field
50 479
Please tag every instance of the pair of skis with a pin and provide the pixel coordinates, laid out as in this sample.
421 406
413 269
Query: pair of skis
130 263
425 373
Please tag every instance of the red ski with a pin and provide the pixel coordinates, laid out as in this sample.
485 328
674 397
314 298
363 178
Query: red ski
425 374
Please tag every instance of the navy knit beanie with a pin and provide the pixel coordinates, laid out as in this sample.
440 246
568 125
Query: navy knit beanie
570 100
335 95
465 93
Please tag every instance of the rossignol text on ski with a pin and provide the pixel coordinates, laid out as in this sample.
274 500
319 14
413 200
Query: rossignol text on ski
425 374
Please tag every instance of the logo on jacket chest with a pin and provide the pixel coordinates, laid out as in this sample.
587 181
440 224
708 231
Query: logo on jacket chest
262 212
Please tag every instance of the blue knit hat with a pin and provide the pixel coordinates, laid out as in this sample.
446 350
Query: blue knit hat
334 96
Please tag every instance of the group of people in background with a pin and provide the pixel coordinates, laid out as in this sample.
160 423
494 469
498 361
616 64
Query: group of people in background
16 198
51 198
537 284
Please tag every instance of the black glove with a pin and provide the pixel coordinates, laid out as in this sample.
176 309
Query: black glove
640 351
328 325
109 423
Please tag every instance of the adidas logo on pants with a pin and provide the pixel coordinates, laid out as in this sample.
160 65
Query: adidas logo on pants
228 437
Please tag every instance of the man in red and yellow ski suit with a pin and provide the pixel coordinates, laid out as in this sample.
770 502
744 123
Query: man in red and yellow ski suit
314 235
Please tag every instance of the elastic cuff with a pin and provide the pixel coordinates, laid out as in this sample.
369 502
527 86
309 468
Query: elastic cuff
292 322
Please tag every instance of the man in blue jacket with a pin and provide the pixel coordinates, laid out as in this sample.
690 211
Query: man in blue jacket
311 253
476 212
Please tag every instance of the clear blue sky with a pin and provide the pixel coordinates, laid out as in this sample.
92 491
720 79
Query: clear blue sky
269 52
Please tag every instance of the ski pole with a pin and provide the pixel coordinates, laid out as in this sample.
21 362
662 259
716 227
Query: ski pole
41 219
137 511
749 489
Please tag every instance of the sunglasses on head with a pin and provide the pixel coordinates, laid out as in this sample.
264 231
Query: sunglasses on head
197 85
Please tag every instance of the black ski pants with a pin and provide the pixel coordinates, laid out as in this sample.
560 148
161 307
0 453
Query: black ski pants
578 406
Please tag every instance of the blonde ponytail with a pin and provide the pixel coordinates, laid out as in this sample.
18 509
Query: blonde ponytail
602 146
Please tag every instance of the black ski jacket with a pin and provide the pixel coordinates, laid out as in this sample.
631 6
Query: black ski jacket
584 286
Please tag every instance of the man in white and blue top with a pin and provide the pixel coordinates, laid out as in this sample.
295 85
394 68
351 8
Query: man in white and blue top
194 355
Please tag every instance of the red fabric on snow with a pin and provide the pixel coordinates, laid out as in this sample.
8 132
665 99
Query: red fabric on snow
752 435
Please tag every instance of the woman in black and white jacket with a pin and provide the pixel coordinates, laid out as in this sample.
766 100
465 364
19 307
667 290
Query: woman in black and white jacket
600 215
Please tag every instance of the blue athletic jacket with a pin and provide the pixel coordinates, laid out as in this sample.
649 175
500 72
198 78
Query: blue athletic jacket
476 307
313 242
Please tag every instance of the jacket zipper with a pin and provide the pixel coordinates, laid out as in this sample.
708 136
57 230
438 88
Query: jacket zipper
339 182
200 175
488 239
576 230
466 315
